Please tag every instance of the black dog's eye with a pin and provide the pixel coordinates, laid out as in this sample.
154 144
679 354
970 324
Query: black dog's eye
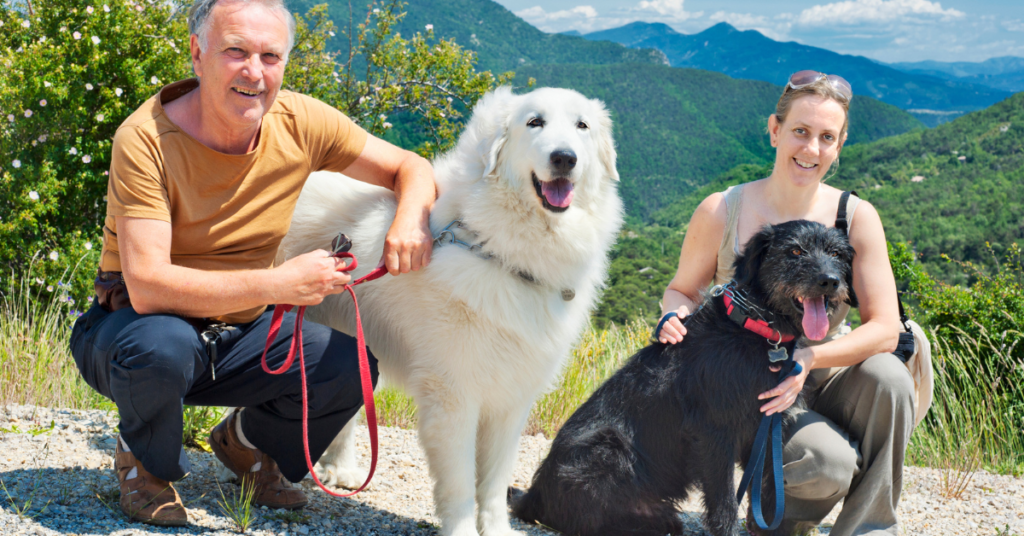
797 252
536 122
582 125
834 254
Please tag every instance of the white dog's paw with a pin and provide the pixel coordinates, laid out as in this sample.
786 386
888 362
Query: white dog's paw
342 477
501 531
221 473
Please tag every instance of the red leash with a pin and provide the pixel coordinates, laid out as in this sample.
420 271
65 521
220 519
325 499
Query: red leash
364 369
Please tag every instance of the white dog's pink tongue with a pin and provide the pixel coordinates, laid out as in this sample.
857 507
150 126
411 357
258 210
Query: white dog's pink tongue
815 318
558 192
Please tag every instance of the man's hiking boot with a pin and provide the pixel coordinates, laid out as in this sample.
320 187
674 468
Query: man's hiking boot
145 497
253 467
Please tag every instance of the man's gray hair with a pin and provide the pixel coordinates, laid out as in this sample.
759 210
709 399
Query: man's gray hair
199 18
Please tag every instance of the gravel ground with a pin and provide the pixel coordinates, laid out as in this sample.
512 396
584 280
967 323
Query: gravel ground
70 467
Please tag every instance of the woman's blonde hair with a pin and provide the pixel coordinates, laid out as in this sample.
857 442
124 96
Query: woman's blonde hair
822 88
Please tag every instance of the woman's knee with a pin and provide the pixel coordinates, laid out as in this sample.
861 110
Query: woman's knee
820 459
889 378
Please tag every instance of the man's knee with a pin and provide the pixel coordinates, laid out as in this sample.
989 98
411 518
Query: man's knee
165 346
336 375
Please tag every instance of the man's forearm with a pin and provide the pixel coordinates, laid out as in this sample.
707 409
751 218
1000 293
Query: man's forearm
199 293
415 190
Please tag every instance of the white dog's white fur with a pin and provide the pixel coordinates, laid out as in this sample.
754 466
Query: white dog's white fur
468 337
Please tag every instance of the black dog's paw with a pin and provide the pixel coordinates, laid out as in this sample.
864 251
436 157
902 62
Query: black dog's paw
515 495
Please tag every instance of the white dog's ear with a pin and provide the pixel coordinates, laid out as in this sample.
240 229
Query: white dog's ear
605 142
489 126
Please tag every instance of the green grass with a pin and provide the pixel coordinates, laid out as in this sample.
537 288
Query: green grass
972 424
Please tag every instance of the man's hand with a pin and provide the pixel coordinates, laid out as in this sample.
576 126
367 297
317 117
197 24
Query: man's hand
407 246
309 278
786 392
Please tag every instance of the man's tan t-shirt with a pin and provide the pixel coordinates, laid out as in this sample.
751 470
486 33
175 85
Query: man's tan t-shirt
227 212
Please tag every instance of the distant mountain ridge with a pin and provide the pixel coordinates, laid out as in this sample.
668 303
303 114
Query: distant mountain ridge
1006 72
749 54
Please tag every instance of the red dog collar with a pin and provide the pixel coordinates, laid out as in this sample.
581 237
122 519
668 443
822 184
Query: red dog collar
762 328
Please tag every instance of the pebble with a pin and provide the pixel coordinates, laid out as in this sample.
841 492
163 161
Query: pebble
73 466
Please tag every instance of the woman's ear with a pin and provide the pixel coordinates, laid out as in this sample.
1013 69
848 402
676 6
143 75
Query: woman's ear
773 130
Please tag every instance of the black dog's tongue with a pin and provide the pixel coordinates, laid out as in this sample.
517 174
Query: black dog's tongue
815 319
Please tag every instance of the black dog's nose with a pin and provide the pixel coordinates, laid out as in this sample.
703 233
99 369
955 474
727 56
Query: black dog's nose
563 160
828 280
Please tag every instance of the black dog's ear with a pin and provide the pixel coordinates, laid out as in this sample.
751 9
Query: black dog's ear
852 297
749 262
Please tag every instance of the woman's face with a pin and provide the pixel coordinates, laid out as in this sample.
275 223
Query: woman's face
810 139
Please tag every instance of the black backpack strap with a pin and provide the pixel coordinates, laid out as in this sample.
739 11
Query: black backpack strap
842 223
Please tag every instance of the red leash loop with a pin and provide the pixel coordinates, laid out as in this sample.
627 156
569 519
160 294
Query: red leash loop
364 369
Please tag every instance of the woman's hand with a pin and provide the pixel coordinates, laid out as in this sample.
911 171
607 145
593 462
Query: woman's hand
673 330
786 392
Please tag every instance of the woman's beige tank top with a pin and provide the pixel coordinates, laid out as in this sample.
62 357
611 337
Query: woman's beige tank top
729 249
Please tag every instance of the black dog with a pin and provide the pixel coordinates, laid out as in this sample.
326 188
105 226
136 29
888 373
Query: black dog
681 415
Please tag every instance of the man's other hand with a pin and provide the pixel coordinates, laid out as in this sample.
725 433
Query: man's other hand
407 246
307 279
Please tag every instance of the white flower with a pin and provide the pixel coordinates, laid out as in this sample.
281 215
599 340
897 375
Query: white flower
361 99
88 245
34 143
375 10
86 159
49 288
106 8
330 34
53 255
88 9
138 8
28 113
39 281
73 151
88 86
95 40
16 163
387 125
76 35
42 139
25 24
89 299
10 117
154 80
430 27
33 195
442 114
383 117
117 91
46 84
99 117
42 102
42 39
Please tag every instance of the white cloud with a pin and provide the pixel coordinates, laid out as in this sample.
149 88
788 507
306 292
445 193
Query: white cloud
536 15
1016 25
671 10
872 11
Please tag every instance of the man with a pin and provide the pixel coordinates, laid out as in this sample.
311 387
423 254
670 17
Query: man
203 181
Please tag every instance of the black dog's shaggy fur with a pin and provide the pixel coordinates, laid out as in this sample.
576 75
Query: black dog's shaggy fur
681 415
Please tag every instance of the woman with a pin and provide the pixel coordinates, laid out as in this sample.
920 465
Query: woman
851 443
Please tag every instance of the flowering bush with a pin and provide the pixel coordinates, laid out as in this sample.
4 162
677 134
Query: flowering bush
73 71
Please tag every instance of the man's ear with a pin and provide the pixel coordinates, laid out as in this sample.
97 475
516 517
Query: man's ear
746 266
196 50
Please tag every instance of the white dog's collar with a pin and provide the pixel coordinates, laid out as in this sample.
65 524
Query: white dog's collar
447 236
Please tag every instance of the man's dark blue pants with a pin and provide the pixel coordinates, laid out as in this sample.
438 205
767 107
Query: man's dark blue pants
151 365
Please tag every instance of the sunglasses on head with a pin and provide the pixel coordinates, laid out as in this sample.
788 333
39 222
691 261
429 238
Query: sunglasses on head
802 79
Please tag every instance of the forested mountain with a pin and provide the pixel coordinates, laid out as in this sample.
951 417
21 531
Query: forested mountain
749 54
1006 72
677 128
503 41
957 190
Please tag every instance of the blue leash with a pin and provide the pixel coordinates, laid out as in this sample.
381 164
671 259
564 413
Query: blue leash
755 466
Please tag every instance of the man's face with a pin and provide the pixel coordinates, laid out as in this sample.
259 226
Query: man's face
243 65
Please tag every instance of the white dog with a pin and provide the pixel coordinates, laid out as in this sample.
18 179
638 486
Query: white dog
481 332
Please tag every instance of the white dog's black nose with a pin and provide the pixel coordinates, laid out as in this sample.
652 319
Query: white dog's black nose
563 160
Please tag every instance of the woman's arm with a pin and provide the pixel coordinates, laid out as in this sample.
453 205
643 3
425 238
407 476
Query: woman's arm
698 261
876 291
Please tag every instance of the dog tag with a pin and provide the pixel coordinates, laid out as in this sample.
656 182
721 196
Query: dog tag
568 294
778 354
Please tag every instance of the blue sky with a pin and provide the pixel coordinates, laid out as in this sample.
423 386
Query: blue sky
886 30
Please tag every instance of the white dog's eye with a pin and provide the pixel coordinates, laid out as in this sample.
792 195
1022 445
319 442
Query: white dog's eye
536 122
582 125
